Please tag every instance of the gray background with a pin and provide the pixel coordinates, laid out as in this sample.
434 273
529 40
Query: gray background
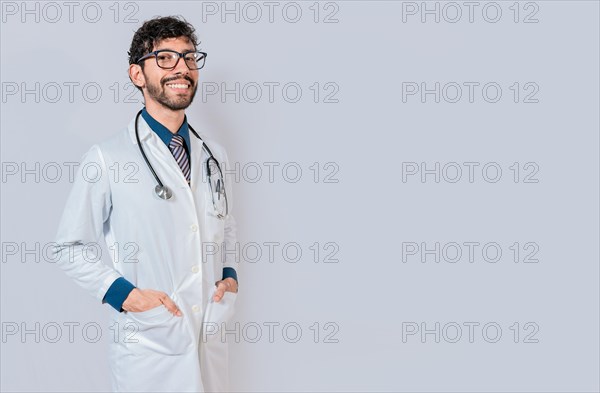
370 296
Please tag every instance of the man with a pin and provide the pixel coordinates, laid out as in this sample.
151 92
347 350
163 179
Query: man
171 282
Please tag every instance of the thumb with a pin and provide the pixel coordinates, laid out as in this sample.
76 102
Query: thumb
171 306
220 291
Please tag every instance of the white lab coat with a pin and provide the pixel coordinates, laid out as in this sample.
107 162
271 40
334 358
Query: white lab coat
175 246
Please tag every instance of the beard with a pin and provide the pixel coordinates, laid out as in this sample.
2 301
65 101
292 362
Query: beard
177 101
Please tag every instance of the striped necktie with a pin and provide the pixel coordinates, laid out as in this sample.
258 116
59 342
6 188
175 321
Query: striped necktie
180 155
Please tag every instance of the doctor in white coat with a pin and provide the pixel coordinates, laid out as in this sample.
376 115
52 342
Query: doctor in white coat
171 282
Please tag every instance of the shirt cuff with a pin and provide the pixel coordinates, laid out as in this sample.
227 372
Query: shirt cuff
117 293
229 272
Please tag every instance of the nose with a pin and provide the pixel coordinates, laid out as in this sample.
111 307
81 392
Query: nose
181 67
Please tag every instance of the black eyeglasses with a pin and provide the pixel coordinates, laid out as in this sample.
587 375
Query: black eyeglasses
168 59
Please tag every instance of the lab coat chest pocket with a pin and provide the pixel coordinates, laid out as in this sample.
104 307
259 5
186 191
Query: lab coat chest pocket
215 225
217 230
159 331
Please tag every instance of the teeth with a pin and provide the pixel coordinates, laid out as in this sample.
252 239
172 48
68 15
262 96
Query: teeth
178 86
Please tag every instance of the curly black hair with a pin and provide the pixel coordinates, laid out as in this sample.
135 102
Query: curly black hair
155 30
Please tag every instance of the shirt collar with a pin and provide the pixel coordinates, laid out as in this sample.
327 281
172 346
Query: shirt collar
164 133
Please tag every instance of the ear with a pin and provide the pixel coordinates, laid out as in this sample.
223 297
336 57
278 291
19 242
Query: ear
136 75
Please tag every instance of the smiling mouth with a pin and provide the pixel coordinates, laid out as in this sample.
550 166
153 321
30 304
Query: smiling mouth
178 86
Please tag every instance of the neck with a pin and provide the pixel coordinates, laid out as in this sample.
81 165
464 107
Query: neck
168 118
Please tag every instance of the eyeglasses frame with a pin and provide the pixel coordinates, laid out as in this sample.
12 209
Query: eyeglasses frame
180 56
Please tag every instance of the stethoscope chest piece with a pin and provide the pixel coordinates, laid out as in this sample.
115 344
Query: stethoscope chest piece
163 192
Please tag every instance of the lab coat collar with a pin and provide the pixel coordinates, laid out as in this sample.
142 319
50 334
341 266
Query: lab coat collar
144 130
197 151
163 132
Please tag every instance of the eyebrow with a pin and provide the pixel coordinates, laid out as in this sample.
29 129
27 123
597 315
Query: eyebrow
185 50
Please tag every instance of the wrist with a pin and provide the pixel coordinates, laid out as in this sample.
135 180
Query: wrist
128 299
231 283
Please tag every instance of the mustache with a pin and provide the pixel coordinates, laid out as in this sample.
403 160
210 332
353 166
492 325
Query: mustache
187 78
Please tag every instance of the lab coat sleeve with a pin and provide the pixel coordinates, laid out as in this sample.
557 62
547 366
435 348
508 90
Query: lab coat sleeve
78 251
118 293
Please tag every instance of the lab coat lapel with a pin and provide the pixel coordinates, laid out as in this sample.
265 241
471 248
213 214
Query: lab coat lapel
196 161
159 155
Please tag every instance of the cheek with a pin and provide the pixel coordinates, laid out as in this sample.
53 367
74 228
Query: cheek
160 78
143 79
153 77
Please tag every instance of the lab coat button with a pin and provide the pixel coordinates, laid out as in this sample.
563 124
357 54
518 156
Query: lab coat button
195 308
195 269
194 228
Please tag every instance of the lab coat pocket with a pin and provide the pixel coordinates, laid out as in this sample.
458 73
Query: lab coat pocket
217 315
159 331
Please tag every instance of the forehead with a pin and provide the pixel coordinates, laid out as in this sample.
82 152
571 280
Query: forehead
178 44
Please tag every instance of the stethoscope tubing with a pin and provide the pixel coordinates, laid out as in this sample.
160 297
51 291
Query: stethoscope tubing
160 185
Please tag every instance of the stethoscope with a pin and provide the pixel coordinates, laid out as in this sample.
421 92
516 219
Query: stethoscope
164 192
